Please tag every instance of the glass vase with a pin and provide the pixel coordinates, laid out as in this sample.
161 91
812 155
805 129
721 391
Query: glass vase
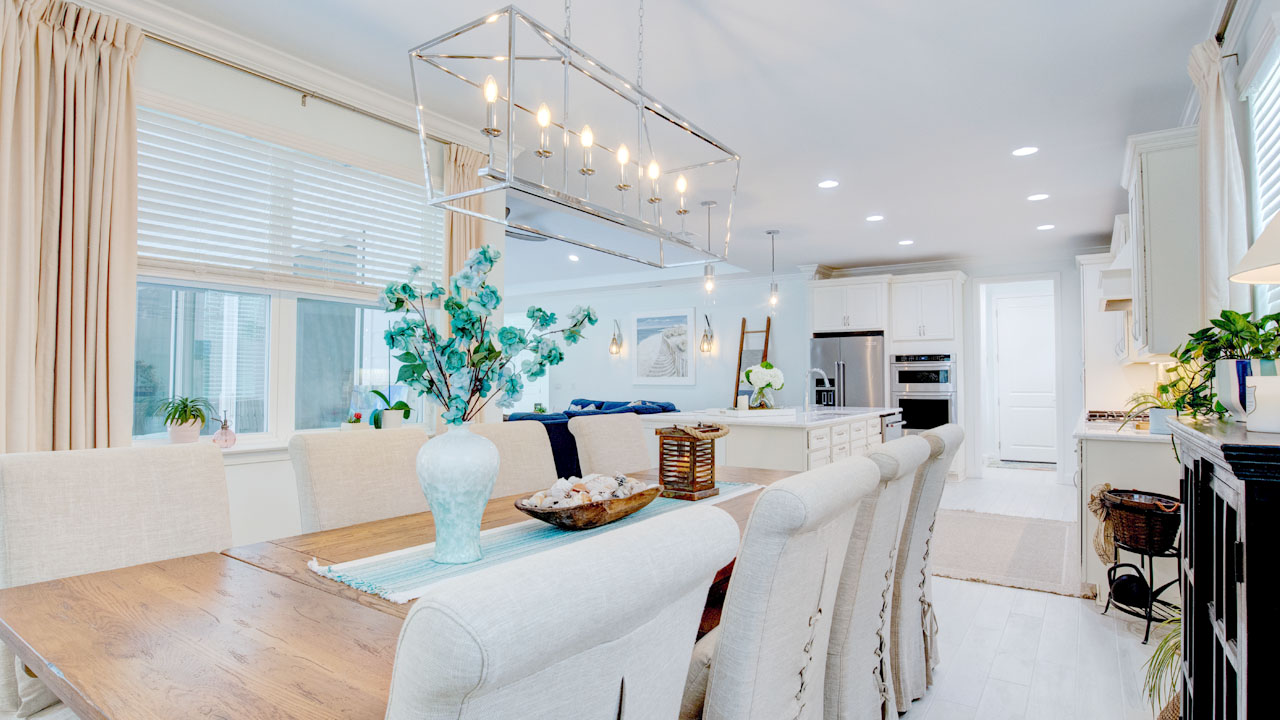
762 399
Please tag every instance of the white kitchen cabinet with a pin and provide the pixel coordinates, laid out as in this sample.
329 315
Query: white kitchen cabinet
1162 176
851 304
923 309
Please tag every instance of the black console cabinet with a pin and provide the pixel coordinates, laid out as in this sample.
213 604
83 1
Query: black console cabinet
1230 534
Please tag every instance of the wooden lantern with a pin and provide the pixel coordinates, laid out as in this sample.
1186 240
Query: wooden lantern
687 460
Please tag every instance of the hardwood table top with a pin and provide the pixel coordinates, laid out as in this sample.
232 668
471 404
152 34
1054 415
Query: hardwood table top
249 633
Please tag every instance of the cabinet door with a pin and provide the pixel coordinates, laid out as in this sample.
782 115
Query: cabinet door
864 307
937 310
904 305
827 308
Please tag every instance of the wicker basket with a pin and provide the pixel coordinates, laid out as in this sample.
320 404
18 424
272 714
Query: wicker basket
1145 521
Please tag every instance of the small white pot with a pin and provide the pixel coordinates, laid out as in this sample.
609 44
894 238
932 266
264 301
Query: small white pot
1160 419
187 432
348 427
392 419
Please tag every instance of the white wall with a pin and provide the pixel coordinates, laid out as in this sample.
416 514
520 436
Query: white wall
589 371
1108 381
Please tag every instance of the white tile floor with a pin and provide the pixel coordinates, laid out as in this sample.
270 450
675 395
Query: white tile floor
1015 654
1014 491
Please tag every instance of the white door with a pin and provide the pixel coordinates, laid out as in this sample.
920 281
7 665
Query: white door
905 308
863 307
828 308
937 310
1026 378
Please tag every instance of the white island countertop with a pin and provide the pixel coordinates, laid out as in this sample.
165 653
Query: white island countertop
814 418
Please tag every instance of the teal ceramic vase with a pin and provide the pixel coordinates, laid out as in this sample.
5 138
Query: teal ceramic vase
456 471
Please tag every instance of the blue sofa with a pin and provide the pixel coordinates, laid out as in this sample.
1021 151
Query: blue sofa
563 447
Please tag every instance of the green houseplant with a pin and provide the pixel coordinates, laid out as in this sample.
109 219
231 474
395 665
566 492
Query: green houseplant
392 414
1224 351
184 417
1164 671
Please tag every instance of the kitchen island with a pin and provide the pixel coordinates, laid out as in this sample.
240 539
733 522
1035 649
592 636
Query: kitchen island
797 442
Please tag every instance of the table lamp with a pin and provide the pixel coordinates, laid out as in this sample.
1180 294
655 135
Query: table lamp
1261 265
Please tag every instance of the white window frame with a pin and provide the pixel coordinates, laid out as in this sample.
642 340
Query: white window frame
1261 63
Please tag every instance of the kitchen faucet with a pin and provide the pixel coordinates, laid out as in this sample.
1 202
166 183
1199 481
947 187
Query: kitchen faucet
808 392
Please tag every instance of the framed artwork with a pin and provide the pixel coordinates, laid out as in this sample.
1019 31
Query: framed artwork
664 347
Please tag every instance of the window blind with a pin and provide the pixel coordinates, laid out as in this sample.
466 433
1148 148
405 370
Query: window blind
219 203
1264 118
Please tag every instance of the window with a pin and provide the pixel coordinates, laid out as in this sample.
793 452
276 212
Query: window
261 267
341 359
1264 119
201 343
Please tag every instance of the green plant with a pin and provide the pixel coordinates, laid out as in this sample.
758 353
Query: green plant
1164 668
182 410
1232 336
354 419
464 369
399 405
1184 389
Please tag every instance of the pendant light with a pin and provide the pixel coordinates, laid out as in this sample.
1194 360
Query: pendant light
707 337
773 266
615 343
709 271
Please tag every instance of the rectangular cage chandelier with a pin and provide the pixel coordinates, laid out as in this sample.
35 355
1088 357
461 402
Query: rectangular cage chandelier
584 155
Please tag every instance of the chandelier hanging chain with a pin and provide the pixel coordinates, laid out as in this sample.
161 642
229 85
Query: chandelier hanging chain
640 50
568 13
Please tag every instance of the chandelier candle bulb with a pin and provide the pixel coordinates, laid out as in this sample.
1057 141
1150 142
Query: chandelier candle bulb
491 108
624 157
654 173
544 121
587 139
681 186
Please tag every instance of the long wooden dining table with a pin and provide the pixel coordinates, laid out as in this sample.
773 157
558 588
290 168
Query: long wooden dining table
248 633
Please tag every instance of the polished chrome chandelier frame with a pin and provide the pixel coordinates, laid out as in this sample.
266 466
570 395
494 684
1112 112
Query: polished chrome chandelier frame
566 182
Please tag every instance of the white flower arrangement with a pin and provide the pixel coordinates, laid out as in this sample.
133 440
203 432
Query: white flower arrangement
764 376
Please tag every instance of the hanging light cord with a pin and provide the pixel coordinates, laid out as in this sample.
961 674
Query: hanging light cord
640 50
568 11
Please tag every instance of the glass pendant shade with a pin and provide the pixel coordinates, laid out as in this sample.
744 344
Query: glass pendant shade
709 277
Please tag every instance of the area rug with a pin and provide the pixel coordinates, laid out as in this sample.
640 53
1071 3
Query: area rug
1019 552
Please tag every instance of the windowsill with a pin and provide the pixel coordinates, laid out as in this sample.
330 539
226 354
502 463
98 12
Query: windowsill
258 447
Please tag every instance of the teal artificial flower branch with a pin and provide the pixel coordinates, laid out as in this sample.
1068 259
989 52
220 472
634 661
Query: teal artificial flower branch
463 372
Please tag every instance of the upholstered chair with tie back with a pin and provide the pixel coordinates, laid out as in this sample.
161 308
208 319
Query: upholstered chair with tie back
914 627
598 628
526 464
859 683
609 444
767 658
346 478
81 511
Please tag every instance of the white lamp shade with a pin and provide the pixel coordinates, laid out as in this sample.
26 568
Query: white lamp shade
1261 265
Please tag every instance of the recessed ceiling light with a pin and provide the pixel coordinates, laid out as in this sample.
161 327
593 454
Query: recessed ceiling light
1038 197
1044 227
874 218
828 184
573 258
1025 151
906 242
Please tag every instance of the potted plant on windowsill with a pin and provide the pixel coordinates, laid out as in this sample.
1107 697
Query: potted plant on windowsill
354 421
391 415
185 417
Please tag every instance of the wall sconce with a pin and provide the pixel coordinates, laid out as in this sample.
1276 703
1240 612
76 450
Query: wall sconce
705 345
615 344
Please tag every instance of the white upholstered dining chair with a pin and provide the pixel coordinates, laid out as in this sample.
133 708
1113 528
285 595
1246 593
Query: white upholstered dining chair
913 624
858 682
346 478
526 464
767 658
599 628
73 512
609 444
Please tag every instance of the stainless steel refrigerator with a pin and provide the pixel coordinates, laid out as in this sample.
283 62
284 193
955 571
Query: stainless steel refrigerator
854 364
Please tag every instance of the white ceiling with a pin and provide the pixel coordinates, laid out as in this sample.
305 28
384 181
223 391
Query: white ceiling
913 106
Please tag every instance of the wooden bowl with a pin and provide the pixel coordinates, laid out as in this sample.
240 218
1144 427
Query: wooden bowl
591 515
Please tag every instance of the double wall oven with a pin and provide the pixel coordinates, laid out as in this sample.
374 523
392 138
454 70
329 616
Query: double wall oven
924 386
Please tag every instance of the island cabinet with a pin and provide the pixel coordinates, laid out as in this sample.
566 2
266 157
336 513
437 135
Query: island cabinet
1230 535
795 445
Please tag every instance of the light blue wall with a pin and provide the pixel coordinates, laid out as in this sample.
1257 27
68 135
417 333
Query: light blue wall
590 371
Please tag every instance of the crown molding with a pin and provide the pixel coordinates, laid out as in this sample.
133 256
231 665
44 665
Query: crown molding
152 16
1266 51
1148 142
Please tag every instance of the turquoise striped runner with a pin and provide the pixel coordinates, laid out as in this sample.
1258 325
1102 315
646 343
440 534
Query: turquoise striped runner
404 575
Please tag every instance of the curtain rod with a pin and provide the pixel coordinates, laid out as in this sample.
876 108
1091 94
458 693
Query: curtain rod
306 93
1227 12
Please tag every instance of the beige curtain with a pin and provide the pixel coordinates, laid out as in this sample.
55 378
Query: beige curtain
462 233
68 226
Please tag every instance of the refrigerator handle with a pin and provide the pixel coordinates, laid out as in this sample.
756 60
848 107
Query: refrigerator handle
840 383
